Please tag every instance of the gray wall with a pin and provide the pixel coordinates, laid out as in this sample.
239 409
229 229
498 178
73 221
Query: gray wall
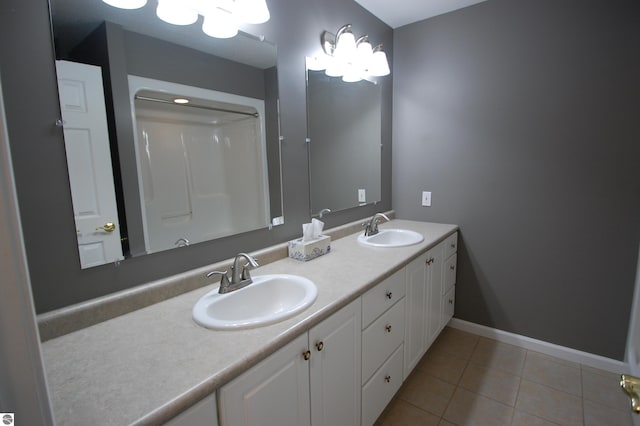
28 80
521 116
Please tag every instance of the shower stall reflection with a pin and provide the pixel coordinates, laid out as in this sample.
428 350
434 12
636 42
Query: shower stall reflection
202 163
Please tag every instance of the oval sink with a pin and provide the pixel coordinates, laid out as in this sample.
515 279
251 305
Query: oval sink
269 299
391 238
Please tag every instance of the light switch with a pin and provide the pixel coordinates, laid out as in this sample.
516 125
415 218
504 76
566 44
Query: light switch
362 196
426 198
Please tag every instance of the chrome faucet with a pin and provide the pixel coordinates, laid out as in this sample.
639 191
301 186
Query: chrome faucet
240 276
371 227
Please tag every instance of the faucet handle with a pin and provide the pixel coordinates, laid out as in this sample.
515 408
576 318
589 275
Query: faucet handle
224 279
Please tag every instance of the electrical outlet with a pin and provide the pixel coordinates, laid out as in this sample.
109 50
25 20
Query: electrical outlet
426 198
362 196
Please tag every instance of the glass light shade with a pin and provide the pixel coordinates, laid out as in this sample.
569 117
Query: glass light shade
174 12
335 68
345 45
379 65
126 4
364 55
219 23
352 74
252 11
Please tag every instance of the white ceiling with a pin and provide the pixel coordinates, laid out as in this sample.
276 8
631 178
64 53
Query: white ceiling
397 13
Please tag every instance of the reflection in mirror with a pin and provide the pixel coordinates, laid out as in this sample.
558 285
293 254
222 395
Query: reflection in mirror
344 128
122 43
202 163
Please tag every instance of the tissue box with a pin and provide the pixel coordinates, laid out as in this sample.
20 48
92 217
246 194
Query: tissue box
308 250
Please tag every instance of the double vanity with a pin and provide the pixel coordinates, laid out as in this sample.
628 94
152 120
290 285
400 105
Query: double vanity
340 360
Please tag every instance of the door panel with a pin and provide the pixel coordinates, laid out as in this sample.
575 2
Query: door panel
89 162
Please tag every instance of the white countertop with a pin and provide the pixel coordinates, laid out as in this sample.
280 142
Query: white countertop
148 365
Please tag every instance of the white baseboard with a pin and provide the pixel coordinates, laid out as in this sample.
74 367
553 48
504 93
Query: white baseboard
562 352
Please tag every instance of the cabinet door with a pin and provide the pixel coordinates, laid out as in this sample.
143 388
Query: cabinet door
273 393
203 413
415 304
434 284
336 350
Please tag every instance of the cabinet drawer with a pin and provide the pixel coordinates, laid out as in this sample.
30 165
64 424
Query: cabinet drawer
382 297
377 393
448 305
451 245
449 271
381 338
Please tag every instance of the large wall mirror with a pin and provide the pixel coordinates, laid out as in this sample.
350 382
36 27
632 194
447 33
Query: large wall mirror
172 136
344 132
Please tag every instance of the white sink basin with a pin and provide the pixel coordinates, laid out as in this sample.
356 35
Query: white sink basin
269 299
391 238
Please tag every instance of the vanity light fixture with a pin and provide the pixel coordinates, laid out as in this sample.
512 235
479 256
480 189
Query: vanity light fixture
220 17
350 58
181 101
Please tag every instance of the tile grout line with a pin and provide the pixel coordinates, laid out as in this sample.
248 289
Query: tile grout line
467 362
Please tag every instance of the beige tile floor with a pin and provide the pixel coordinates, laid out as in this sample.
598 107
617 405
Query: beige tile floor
465 379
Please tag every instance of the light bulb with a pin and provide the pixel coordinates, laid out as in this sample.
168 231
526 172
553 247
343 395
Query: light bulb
173 12
126 4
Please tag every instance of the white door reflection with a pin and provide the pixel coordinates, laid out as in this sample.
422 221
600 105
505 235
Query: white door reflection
89 163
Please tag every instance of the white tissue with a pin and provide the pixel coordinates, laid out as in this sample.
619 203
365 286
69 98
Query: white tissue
312 231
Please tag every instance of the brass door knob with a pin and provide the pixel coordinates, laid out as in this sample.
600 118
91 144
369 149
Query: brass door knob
306 355
107 227
319 346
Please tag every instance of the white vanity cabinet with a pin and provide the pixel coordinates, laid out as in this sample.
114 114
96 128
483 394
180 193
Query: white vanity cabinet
430 299
383 314
313 380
